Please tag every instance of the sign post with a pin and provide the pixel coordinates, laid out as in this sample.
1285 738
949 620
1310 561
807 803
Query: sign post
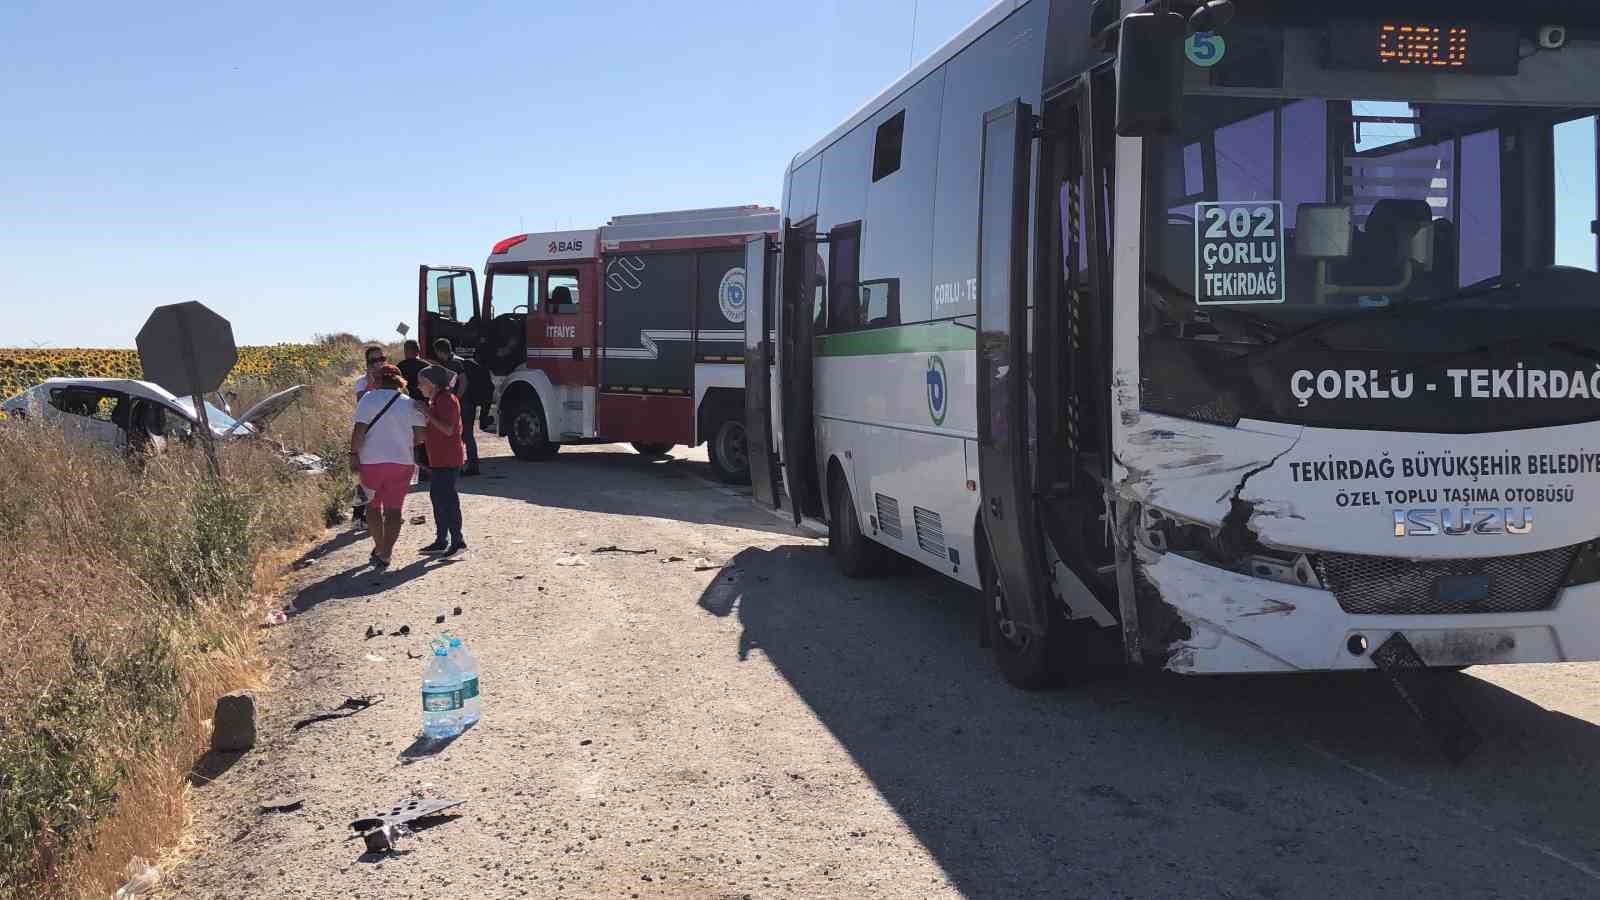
189 350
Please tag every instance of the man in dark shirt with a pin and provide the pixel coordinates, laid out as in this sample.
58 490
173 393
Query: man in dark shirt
411 367
468 374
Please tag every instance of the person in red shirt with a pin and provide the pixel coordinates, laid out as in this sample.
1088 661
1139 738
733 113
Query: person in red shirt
446 455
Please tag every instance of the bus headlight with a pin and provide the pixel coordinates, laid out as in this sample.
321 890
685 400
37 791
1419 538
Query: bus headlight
1225 548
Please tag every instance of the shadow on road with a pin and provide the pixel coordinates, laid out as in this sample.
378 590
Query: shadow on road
1148 785
614 480
364 581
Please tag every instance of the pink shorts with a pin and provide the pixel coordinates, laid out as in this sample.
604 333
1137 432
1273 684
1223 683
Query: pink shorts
388 483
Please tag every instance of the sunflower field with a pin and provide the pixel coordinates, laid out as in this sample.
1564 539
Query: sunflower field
262 367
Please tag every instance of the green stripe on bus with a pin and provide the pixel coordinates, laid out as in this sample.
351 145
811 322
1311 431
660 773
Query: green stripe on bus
926 337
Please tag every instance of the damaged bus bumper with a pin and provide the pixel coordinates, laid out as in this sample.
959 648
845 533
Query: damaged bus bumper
1214 621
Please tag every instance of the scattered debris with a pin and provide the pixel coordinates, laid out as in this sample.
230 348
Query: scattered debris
402 631
419 520
413 655
439 619
616 549
571 561
282 804
141 879
353 704
585 742
673 559
381 829
233 728
373 657
541 588
373 631
457 611
518 577
274 617
702 564
1428 695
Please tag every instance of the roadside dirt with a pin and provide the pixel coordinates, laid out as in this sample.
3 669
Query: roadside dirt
771 729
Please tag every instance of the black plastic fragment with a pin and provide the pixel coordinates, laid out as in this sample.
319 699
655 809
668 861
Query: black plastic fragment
1426 691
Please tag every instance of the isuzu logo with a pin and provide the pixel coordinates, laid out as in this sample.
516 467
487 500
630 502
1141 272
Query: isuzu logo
1454 522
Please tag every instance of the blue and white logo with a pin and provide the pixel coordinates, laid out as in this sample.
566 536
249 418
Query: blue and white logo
730 295
1205 48
938 397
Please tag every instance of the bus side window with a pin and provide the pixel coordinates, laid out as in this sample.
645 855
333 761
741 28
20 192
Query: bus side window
844 275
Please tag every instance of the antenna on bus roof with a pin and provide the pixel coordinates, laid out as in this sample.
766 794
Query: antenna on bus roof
911 51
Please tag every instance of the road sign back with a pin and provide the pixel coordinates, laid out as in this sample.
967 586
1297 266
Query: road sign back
186 348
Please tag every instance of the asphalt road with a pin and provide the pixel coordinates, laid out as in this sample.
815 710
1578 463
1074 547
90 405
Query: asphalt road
772 729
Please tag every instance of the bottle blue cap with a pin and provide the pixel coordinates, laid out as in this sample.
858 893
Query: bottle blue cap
441 651
455 642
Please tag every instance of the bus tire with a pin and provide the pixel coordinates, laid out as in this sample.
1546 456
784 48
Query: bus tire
526 430
858 556
728 451
652 448
1030 662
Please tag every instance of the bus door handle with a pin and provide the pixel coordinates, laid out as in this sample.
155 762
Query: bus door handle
994 507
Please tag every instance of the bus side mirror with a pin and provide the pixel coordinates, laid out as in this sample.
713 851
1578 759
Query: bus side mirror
1322 231
1150 73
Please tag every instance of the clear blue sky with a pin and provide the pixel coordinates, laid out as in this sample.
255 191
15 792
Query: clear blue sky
290 164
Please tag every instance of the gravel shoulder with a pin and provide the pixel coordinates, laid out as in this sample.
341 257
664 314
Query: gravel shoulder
768 728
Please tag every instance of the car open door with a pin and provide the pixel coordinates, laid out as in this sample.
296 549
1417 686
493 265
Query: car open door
447 307
1010 525
758 370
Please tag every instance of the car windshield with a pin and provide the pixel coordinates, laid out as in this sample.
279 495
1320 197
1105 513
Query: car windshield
220 421
1396 244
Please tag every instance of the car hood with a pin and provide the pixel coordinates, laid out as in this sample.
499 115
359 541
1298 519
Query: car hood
268 408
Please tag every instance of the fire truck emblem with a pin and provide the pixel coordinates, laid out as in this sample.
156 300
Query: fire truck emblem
730 295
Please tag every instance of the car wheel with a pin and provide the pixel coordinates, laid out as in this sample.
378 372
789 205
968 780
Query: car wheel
729 453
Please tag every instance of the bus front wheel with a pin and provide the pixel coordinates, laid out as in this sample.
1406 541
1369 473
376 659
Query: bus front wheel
1028 661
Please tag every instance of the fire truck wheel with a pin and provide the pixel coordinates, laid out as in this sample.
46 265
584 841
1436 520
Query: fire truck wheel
730 456
1028 661
858 556
647 448
526 431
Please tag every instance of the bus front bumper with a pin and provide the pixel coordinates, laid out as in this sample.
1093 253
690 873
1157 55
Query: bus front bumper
1223 622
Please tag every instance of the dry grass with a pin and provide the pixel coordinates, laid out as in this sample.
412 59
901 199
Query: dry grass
128 602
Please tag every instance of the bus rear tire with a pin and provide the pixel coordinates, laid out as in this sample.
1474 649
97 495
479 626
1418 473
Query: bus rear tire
858 556
728 451
526 431
1030 662
650 448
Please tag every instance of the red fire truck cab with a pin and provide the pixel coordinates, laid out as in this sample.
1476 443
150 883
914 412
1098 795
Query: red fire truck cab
633 332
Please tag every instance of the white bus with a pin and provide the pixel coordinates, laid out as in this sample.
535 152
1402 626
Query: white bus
1228 339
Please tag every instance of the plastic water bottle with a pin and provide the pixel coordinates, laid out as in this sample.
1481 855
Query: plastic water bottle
441 696
467 665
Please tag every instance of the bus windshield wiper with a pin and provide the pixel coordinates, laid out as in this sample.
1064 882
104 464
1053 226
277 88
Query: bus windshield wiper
1395 311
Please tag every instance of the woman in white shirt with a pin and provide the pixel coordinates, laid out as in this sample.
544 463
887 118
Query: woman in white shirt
387 427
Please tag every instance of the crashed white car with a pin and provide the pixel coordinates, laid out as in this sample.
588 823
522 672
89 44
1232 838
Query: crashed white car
125 414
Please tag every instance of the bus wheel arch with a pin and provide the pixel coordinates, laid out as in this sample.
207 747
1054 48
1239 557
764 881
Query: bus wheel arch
1028 661
858 555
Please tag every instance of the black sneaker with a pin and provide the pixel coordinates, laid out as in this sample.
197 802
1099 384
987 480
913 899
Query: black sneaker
435 547
455 547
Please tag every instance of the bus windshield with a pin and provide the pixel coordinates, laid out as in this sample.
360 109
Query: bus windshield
1387 264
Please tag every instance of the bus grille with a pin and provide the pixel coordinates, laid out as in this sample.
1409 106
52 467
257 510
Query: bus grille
889 516
1381 585
930 531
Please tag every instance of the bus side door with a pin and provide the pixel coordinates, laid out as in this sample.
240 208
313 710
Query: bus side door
1010 523
757 369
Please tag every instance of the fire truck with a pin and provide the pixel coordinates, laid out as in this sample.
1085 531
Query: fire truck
629 333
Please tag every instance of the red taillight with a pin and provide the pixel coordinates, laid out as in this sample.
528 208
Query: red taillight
507 244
